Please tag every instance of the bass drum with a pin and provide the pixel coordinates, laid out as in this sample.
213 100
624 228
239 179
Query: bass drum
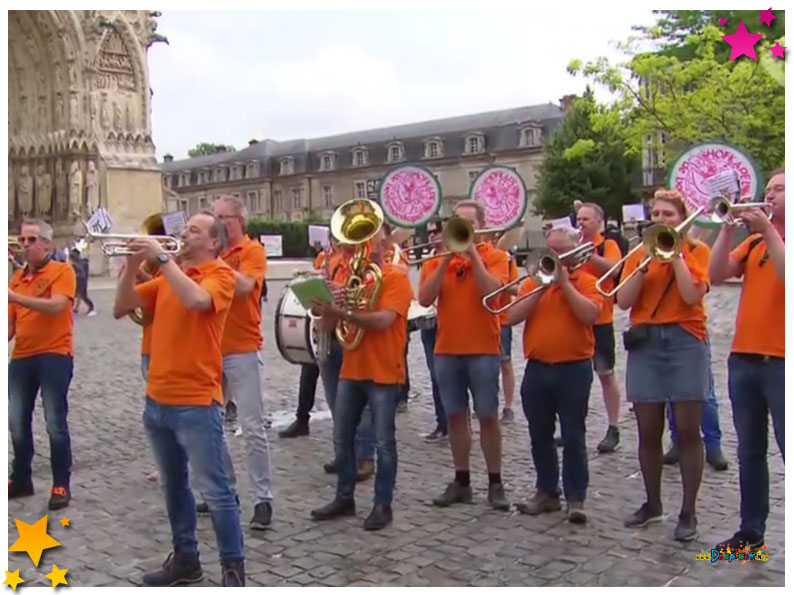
295 333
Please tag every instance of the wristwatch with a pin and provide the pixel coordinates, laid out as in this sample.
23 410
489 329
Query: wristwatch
162 258
348 315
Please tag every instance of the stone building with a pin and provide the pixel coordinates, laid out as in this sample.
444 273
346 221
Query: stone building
302 179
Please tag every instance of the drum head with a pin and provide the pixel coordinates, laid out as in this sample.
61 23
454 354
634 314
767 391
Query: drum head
502 194
410 196
292 330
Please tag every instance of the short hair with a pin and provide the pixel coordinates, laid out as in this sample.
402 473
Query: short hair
237 204
217 230
570 233
45 229
596 209
479 210
778 171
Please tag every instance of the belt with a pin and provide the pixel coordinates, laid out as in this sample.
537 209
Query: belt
758 357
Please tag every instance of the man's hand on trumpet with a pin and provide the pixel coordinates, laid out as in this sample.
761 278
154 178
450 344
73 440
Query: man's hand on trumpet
144 249
756 220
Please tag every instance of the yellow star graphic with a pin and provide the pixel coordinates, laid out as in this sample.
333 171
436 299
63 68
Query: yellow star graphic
57 576
13 579
33 539
64 522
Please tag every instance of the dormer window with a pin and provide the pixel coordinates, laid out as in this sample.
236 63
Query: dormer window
433 148
327 161
220 174
395 152
360 157
475 143
235 172
529 136
252 170
184 178
286 166
205 176
168 181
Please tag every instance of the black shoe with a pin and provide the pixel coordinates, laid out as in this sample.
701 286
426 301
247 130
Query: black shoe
330 468
233 574
379 518
687 527
402 406
176 570
202 509
497 498
671 456
19 490
507 415
59 498
263 514
643 516
436 435
740 540
300 427
453 494
335 509
231 412
716 459
610 441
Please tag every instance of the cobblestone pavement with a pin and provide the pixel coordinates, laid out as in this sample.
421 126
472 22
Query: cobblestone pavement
119 527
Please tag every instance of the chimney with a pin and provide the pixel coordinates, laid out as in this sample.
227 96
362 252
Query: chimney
566 102
168 158
252 142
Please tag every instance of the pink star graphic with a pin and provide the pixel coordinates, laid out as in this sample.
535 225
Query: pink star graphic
777 51
743 43
767 17
723 21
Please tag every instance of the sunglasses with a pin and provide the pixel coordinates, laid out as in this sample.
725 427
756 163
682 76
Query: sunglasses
28 239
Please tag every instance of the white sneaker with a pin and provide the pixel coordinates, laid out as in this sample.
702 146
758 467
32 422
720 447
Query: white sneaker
91 313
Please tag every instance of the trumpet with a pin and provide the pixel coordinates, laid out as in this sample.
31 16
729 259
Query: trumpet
117 244
722 210
660 242
457 236
549 267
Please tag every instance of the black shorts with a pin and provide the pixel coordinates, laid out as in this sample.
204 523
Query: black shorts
604 357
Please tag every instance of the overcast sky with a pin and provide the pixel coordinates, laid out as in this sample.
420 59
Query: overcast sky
227 77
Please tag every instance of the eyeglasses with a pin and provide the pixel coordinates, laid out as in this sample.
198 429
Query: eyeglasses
28 239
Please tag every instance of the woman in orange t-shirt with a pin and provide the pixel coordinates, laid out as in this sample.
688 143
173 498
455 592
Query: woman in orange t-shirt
667 361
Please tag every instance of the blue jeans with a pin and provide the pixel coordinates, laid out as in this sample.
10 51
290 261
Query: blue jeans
179 435
548 391
52 373
353 397
329 372
429 344
709 417
757 388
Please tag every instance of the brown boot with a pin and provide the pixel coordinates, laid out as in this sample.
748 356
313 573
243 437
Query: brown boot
366 469
539 503
576 513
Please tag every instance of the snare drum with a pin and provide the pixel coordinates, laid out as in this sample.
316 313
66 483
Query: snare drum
296 335
420 317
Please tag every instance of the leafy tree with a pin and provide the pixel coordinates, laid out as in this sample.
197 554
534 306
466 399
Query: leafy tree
586 158
695 100
209 149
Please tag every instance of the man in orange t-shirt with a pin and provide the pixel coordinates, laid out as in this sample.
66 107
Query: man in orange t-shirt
467 354
40 318
590 219
506 343
558 346
240 346
183 415
371 375
756 366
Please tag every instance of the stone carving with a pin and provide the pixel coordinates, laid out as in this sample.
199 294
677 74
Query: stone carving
92 187
118 118
43 190
61 210
74 111
75 186
130 118
114 65
25 191
60 116
105 114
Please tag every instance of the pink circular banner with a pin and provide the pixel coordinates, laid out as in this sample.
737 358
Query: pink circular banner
502 193
693 172
409 196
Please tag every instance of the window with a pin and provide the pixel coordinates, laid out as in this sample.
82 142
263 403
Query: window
278 204
252 202
251 170
168 181
473 144
235 173
220 175
328 196
473 175
296 198
359 158
527 137
360 189
327 163
184 179
202 203
183 206
395 153
286 167
433 149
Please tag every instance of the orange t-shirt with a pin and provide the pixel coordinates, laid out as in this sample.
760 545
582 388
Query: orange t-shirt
187 364
673 309
465 327
319 261
401 260
243 331
381 356
36 332
506 298
553 334
760 319
611 252
146 338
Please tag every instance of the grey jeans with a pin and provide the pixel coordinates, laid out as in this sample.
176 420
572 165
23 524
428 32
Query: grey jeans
242 383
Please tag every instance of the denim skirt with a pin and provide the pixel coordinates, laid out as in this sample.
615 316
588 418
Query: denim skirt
670 365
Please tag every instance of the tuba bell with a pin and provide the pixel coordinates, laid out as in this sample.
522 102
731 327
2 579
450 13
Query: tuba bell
355 223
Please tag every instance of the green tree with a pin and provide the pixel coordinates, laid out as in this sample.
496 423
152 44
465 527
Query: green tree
209 149
696 100
586 158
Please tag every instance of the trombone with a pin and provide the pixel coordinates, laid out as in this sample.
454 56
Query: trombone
457 236
660 242
117 244
549 267
722 210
